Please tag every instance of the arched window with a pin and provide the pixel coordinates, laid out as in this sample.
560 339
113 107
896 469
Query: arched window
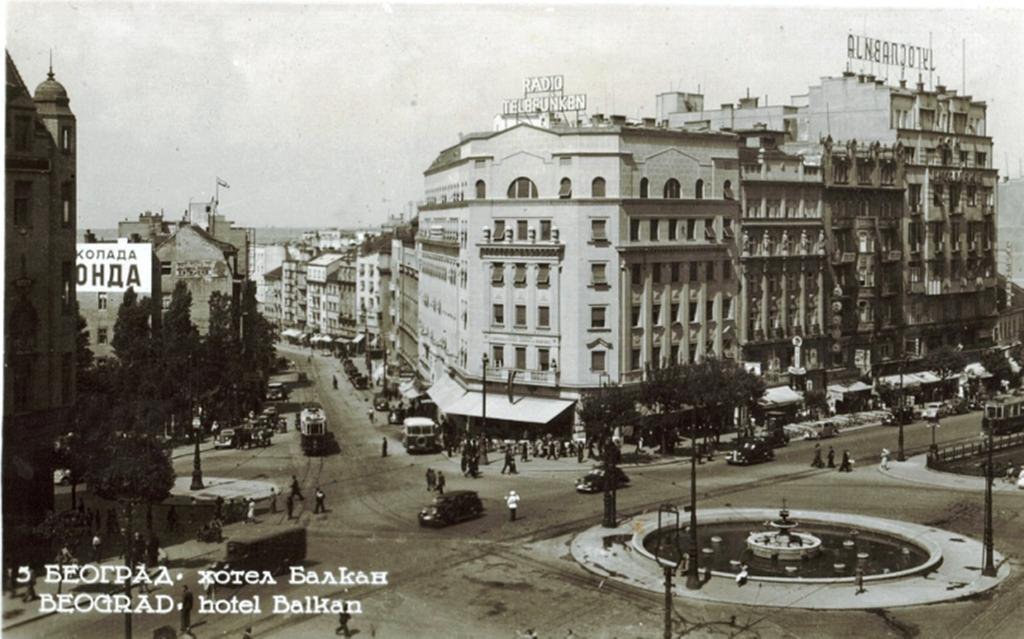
698 190
597 187
565 189
671 189
644 183
727 190
522 188
481 190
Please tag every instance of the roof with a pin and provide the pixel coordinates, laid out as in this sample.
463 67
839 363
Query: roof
273 274
326 259
224 246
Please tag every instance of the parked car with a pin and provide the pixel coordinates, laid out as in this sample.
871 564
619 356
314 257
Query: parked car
225 439
593 482
895 415
775 436
751 451
380 402
360 381
276 391
270 414
452 507
823 430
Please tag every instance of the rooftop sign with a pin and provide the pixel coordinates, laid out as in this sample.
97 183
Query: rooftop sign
896 54
544 94
111 267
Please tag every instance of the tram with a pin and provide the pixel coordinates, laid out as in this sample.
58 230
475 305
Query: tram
313 430
1003 414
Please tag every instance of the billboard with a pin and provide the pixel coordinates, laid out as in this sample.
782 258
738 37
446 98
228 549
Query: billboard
112 267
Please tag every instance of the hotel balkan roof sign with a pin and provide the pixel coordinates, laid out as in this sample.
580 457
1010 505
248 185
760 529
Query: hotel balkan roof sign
897 54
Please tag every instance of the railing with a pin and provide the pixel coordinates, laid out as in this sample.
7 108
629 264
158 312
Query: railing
943 457
523 376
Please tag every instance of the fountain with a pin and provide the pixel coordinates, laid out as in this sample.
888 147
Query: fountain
784 544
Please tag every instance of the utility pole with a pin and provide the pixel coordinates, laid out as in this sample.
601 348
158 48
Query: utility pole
900 456
610 516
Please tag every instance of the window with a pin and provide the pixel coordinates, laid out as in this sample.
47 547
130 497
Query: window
23 205
671 190
727 308
598 276
499 230
22 133
936 194
520 315
693 312
635 315
634 230
543 275
101 301
710 310
597 187
672 230
726 271
522 188
499 315
914 196
694 277
165 268
543 359
498 359
481 189
599 230
636 275
656 314
67 197
727 190
634 359
981 160
652 234
597 316
67 290
673 311
522 229
691 230
709 272
101 336
698 190
597 361
656 273
709 230
656 357
65 139
644 187
165 302
543 316
675 272
520 280
545 230
521 357
565 189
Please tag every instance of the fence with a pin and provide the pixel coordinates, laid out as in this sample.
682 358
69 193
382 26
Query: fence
945 456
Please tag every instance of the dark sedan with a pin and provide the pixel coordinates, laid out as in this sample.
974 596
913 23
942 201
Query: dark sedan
450 508
593 482
751 452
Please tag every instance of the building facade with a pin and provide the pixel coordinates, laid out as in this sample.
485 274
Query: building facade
405 299
322 313
373 299
205 264
40 323
266 258
270 307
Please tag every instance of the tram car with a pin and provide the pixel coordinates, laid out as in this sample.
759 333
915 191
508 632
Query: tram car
1003 414
313 431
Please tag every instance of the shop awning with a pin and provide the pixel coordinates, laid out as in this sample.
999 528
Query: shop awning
446 392
977 370
531 410
909 380
857 387
358 338
928 377
409 389
290 332
780 396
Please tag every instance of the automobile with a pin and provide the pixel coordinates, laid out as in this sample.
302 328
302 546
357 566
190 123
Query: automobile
593 482
452 507
277 391
269 414
360 381
380 402
933 410
62 476
775 436
273 550
892 418
751 452
824 430
225 439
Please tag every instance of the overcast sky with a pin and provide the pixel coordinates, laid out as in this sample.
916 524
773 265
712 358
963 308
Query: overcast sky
328 114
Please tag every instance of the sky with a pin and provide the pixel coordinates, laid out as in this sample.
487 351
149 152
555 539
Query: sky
328 114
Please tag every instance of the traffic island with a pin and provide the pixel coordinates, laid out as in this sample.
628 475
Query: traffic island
948 567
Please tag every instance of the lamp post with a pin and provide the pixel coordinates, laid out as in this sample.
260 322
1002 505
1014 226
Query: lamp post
692 577
384 347
197 469
989 569
610 516
934 424
900 456
483 386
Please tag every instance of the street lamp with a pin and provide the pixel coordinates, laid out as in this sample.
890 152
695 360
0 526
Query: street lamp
989 569
900 456
610 473
934 424
483 385
197 470
692 578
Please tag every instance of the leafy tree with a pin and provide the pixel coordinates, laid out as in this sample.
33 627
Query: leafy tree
64 530
181 351
663 394
995 362
946 361
816 401
601 411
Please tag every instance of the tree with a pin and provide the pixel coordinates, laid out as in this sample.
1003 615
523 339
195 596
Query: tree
946 361
180 344
64 530
661 393
816 401
601 411
998 366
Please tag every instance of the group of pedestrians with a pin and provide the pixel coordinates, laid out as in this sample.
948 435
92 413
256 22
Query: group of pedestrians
435 481
845 464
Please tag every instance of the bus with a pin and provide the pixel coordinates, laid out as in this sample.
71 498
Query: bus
1003 414
313 430
420 435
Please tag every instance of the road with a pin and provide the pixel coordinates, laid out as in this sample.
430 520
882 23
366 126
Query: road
492 578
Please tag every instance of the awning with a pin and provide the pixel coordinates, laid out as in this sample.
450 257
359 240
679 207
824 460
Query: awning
780 396
290 332
531 410
909 380
341 340
928 377
977 370
358 338
409 389
857 387
445 392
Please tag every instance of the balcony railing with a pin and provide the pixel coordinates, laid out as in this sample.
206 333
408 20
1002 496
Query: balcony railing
523 376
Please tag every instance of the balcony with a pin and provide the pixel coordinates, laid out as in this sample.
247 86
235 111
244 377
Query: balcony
917 288
524 376
844 257
892 255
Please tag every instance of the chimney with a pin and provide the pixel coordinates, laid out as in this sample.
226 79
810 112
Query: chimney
940 88
869 77
903 83
748 103
618 120
860 78
848 74
648 122
90 237
597 119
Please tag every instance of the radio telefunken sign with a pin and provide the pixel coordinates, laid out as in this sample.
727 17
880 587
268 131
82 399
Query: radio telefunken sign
544 94
113 267
897 54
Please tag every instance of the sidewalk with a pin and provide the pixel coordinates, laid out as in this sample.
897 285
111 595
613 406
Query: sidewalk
226 488
915 470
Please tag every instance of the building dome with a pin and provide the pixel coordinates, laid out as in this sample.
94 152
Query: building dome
49 90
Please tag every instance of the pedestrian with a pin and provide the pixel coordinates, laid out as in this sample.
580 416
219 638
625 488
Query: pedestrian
440 483
846 466
248 633
513 504
172 518
211 589
97 519
885 459
860 580
431 480
186 608
290 505
817 463
334 380
30 586
512 466
579 453
508 460
464 464
218 508
273 499
250 515
97 544
295 489
320 496
384 447
369 414
525 452
639 445
343 619
831 457
742 575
